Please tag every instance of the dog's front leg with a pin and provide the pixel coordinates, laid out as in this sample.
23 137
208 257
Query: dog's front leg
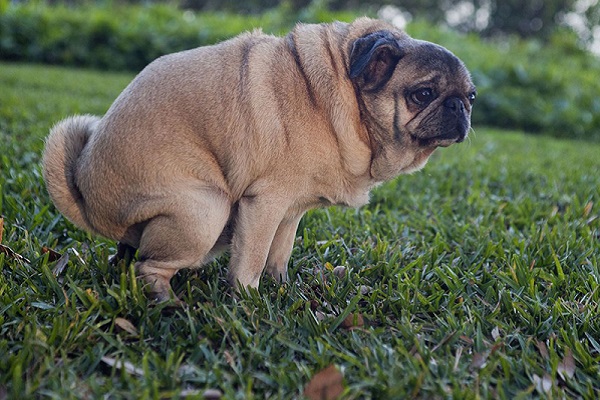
281 248
258 218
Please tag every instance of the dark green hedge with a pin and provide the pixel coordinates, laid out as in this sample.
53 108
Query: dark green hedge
128 37
552 89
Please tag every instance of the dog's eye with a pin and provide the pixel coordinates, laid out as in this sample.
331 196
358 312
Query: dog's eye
422 96
472 97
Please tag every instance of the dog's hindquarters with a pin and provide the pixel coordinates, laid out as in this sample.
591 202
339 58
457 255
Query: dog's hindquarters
63 148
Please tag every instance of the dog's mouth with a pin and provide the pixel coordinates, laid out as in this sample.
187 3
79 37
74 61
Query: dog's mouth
443 140
448 131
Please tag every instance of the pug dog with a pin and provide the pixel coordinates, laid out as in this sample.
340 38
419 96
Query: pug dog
225 147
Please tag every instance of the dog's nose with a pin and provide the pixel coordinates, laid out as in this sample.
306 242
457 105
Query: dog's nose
455 104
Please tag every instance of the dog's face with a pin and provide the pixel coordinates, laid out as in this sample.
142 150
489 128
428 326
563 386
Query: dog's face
435 105
419 94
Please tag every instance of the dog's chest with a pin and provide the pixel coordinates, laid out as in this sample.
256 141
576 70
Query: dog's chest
353 193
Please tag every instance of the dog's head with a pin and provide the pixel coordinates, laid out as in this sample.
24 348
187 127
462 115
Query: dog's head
415 95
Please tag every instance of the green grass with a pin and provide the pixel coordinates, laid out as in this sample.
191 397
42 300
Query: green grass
477 278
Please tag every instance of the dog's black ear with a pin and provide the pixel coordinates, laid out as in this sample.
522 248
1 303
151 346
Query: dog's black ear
374 57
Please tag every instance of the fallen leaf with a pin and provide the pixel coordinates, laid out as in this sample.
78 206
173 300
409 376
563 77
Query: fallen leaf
60 264
321 316
339 271
543 384
479 360
52 255
230 359
542 349
353 321
586 211
12 254
126 326
314 304
496 346
126 365
365 290
325 385
467 340
566 368
212 394
495 333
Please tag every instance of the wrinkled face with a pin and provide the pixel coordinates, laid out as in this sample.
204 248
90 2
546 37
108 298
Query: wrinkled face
417 91
433 95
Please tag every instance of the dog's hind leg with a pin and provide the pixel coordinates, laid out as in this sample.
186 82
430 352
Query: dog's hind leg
125 253
179 237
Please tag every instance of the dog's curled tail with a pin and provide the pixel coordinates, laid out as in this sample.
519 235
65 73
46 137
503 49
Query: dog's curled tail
63 146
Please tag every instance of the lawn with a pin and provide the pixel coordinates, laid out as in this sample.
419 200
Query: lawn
477 277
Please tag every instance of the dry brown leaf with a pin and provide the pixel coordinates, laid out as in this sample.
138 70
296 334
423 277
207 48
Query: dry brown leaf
229 358
339 271
543 384
325 385
479 360
495 347
314 304
52 254
588 209
467 340
354 320
60 264
126 326
542 349
13 254
566 368
321 316
126 365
